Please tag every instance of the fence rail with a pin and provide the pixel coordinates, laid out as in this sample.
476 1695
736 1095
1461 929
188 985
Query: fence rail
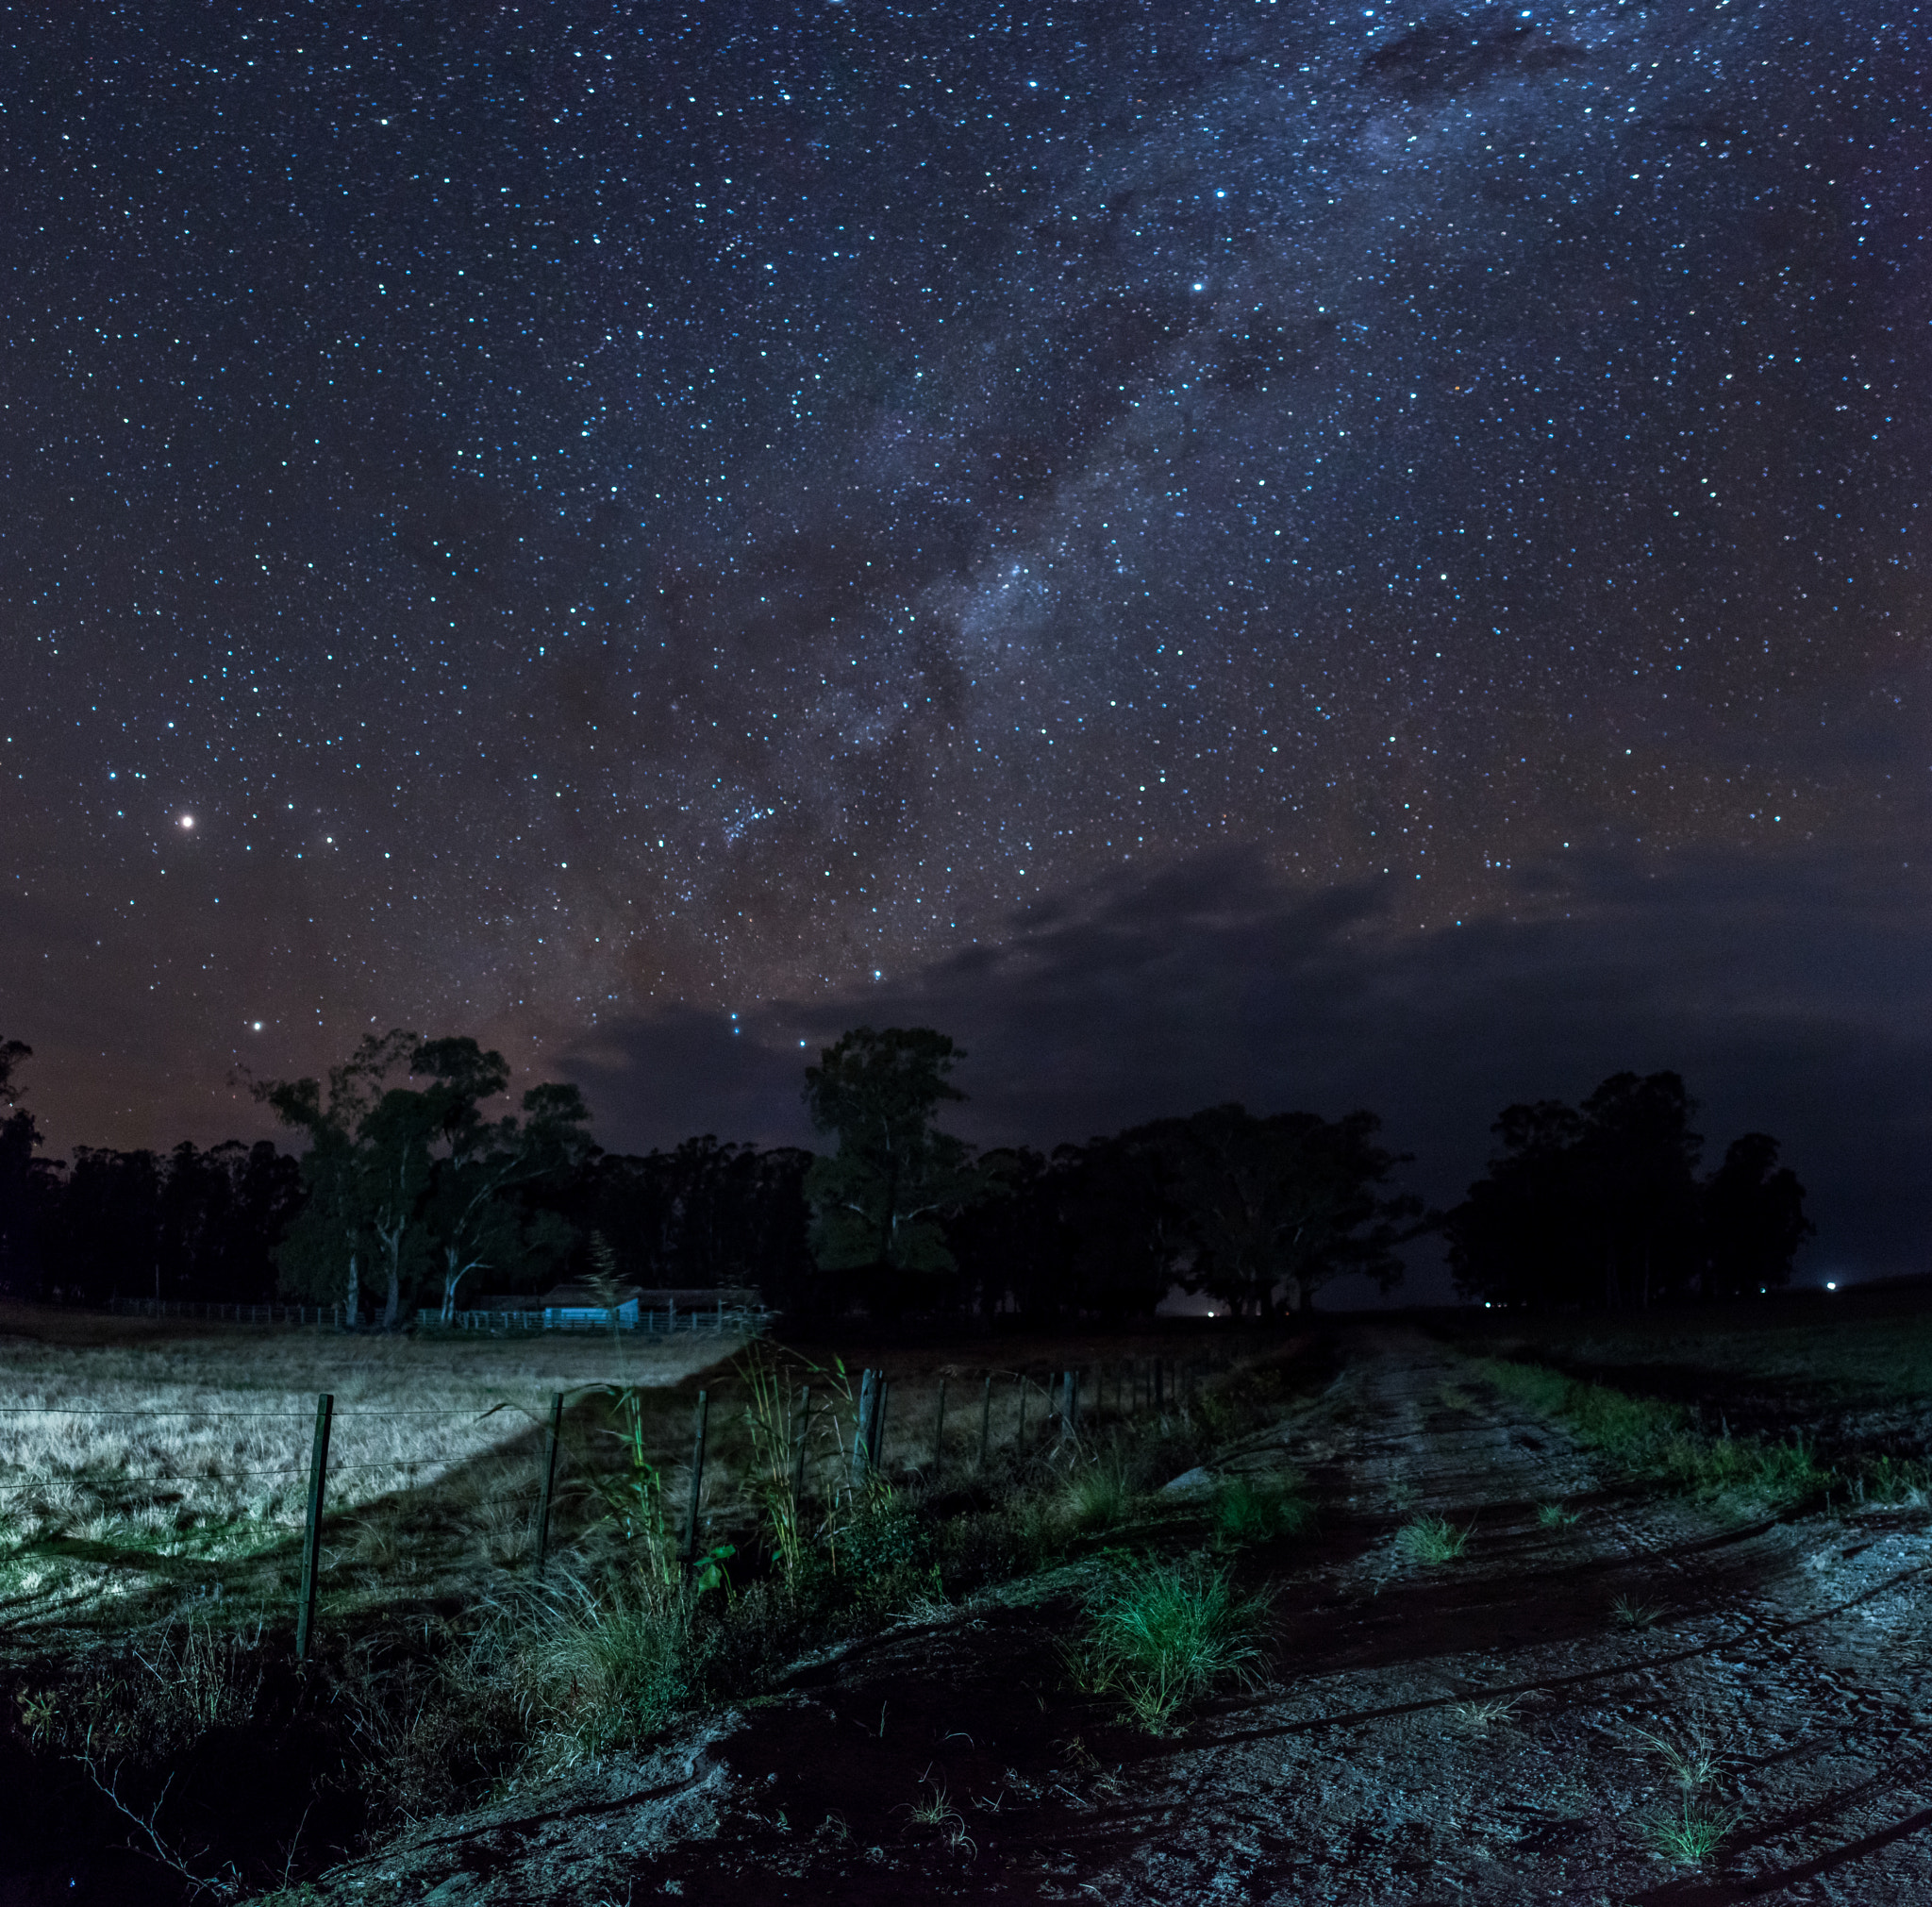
228 1313
727 1320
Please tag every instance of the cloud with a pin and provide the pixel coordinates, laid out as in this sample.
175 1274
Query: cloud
1792 998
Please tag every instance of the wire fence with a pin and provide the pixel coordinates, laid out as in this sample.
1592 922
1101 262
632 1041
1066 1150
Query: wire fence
725 1320
991 1410
228 1314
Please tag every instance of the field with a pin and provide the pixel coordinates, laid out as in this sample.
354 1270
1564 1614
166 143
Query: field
135 1457
1357 1613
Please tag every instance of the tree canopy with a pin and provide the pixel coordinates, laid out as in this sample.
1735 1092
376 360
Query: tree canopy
880 1202
1601 1205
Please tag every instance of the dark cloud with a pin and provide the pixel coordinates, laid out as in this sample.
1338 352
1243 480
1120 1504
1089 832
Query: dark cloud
1792 998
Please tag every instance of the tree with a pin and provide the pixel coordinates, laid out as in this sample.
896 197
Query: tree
404 1176
1754 1220
1602 1205
1639 1158
1280 1206
878 1203
14 1054
476 1163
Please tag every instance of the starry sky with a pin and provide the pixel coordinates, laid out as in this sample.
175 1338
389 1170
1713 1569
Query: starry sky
1218 547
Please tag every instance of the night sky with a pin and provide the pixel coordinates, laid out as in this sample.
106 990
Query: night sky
1209 549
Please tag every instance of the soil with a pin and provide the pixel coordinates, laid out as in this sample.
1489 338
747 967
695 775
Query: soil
1479 1730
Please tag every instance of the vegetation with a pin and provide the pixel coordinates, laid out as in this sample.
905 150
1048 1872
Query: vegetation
1601 1205
1659 1442
1161 1634
1432 1540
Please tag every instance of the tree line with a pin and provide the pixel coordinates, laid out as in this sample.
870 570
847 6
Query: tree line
420 1184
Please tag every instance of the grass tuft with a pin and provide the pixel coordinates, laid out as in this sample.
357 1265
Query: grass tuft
1097 1498
1691 1835
1432 1540
1556 1515
1163 1634
1627 1613
1255 1510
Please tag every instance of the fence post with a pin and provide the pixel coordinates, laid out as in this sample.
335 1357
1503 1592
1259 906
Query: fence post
552 1431
801 1429
1019 1408
1158 1362
862 1439
311 1537
879 1421
985 1419
697 1478
938 1433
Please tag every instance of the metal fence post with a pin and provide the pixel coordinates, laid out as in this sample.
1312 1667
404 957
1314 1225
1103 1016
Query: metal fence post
801 1431
311 1537
862 1439
697 1478
985 1419
552 1431
938 1433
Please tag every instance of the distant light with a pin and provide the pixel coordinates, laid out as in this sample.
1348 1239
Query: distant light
188 821
256 1024
1831 1284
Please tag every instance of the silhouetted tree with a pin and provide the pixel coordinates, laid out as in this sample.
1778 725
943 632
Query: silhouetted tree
1754 1220
880 1202
1603 1206
1280 1206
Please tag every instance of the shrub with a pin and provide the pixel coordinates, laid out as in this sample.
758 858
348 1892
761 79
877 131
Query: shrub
1254 1509
1162 1634
1432 1540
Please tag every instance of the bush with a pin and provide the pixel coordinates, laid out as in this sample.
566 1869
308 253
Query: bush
1255 1510
1162 1634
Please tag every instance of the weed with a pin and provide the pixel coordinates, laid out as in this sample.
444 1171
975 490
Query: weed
1402 1494
1478 1715
1163 1634
1691 1834
590 1674
1556 1515
1627 1613
1254 1510
1432 1540
1659 1441
1692 1763
1097 1496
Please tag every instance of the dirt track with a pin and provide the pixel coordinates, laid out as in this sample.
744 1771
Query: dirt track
1468 1733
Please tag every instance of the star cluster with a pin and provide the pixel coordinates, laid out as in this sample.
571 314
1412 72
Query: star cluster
518 513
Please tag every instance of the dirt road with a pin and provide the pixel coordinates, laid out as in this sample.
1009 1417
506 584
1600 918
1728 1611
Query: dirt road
1481 1730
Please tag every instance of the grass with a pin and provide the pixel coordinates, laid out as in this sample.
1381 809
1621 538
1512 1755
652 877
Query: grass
1432 1540
1556 1515
1627 1613
1162 1636
444 1669
1658 1441
1478 1717
120 1445
1691 1834
1259 1508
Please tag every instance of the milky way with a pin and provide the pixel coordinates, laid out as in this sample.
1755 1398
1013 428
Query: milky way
515 517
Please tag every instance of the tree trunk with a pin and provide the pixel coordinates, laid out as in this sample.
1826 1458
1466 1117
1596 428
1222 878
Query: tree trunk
395 1289
353 1304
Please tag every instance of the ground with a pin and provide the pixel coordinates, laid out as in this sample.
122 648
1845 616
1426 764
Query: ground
1525 1722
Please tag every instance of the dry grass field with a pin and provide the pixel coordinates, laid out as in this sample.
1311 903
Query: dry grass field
139 1456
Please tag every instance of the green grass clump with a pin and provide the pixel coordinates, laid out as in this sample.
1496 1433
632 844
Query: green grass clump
1432 1540
1659 1441
1163 1634
1627 1613
1097 1498
1555 1516
1691 1834
1258 1509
